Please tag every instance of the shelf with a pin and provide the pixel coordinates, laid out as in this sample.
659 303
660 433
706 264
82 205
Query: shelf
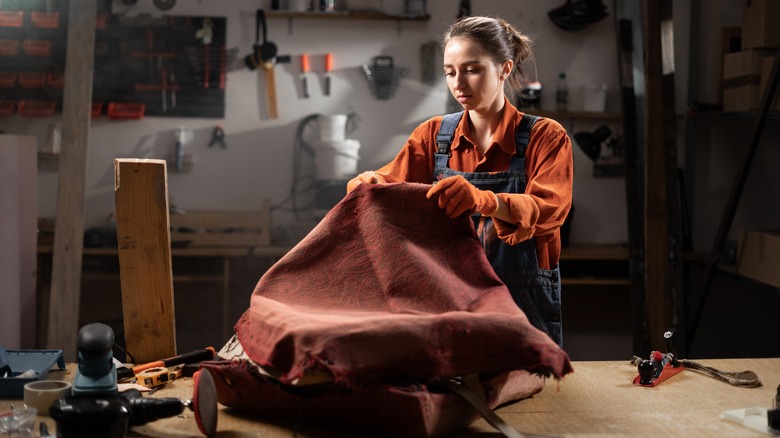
346 15
594 252
583 281
578 115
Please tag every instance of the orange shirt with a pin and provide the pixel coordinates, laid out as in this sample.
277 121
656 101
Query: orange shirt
540 211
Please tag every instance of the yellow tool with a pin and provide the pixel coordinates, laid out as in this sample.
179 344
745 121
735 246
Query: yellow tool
154 377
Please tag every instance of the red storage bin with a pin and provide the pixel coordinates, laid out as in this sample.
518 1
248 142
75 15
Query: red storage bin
7 79
96 108
45 20
37 108
37 47
32 79
11 18
117 110
9 47
7 107
55 80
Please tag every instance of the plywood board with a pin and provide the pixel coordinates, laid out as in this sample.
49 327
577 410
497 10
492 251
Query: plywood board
144 239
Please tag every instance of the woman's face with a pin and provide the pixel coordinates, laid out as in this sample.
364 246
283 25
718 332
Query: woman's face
474 80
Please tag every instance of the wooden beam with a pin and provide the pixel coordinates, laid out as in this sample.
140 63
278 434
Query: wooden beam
634 183
69 229
663 265
145 273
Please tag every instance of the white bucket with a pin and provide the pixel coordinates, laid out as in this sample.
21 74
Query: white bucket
336 160
594 98
332 128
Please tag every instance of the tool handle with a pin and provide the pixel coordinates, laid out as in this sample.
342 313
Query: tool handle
328 62
193 356
305 62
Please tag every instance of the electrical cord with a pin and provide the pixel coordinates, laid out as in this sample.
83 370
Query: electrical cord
301 147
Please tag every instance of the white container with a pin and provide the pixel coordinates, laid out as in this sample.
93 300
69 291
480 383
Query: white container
333 128
298 5
594 98
336 160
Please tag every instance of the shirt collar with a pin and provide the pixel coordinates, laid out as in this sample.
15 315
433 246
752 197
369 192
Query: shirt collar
504 136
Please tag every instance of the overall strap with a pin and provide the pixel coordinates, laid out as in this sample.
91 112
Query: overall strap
447 128
523 133
450 121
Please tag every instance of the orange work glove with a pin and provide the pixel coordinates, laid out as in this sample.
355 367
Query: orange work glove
370 177
457 196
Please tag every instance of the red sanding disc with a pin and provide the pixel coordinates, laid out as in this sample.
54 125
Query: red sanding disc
204 402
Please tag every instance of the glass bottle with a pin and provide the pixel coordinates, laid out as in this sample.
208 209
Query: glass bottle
562 93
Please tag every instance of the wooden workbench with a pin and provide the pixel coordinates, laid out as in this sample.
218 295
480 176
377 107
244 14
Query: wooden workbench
597 400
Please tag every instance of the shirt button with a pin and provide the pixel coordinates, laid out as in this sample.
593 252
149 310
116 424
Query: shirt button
555 317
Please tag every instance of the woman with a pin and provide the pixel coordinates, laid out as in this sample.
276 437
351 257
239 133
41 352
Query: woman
519 189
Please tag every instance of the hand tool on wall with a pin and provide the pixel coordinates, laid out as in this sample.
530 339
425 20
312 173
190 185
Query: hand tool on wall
328 72
305 74
264 56
218 136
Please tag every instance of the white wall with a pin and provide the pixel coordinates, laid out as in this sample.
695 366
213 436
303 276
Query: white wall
258 160
17 234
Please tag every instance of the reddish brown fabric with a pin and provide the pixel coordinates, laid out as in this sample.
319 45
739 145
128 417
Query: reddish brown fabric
389 411
388 290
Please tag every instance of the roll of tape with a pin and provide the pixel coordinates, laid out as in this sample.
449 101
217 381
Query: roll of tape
41 394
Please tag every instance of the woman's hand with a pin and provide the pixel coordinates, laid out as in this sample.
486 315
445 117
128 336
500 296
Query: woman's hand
456 195
369 176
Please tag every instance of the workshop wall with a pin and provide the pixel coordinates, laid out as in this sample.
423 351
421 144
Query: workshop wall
258 160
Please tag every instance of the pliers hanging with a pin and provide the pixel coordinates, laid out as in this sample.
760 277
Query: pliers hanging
218 136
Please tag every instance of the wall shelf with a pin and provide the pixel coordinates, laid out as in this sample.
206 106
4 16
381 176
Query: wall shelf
578 115
348 15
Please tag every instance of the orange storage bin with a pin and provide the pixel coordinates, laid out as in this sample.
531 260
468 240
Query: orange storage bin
37 108
9 47
45 20
117 110
7 79
11 18
7 107
32 79
37 47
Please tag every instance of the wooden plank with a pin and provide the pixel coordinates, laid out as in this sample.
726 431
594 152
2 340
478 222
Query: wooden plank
146 277
69 235
223 228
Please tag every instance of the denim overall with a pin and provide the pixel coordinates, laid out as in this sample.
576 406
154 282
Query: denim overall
536 291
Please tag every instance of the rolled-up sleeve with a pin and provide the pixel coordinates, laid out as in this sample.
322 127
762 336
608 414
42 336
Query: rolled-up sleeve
542 209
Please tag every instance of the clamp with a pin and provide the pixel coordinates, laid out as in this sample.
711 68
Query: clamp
218 136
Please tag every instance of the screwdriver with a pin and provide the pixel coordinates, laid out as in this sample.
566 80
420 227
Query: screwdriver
304 74
328 70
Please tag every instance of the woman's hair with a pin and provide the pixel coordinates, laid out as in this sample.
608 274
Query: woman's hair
500 39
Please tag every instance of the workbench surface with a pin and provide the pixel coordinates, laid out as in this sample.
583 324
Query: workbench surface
597 400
